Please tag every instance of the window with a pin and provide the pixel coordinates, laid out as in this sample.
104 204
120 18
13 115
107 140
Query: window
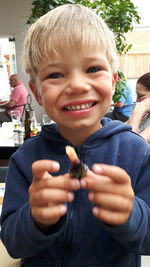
7 65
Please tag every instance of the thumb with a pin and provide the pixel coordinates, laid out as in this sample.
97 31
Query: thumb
40 168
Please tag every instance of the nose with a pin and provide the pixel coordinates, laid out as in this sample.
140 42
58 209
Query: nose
78 84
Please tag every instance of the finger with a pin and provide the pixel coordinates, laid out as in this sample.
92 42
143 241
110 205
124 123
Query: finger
42 167
96 185
49 215
114 172
43 197
111 201
59 182
92 175
111 217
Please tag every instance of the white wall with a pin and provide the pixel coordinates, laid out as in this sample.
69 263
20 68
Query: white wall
13 17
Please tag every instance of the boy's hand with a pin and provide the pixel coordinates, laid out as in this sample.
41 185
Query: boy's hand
47 194
110 192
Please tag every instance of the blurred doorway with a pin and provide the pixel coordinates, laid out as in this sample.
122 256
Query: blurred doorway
7 64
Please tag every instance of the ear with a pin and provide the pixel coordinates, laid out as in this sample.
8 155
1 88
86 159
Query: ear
114 80
36 92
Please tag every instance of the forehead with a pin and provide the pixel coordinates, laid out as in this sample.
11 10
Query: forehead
61 48
12 78
141 89
69 59
84 52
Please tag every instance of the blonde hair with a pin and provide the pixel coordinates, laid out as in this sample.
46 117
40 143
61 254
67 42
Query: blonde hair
68 26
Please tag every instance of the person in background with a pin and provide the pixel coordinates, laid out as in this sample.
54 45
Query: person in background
17 101
140 116
123 107
50 218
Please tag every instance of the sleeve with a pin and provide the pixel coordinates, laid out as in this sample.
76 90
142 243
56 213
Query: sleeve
124 96
19 233
15 95
135 234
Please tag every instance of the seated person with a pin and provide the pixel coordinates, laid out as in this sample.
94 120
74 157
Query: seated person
18 98
123 107
140 116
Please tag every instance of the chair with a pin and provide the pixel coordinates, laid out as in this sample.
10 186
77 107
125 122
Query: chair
3 172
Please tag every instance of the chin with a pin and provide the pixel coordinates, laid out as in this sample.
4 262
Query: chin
83 126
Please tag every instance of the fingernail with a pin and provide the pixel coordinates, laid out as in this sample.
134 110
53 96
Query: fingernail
62 209
70 196
56 165
91 196
75 184
83 183
97 169
95 211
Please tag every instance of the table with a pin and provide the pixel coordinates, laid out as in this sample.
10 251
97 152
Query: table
7 151
7 145
3 102
5 154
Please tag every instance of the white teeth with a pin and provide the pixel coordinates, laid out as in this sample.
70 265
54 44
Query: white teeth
83 106
79 107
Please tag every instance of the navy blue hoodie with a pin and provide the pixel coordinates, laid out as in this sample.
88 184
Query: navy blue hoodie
79 239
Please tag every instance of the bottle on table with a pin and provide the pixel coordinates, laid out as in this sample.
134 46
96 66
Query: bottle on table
33 122
30 123
27 124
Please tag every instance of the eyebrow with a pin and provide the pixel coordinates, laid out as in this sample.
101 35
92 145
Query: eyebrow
101 60
52 65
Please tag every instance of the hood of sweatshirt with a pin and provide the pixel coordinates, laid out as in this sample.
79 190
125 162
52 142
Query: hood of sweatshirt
110 128
113 141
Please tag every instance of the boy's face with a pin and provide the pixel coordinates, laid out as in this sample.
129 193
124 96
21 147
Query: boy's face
76 90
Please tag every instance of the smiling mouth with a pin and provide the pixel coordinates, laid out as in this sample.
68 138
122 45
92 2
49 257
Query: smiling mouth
80 107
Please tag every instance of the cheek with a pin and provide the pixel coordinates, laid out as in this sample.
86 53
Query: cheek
106 91
49 98
147 94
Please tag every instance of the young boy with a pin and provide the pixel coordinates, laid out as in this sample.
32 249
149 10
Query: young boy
49 218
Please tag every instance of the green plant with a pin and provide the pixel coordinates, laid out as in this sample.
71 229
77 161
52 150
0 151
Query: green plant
120 87
118 14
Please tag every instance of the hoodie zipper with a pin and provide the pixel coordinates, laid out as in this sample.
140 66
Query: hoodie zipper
68 239
72 211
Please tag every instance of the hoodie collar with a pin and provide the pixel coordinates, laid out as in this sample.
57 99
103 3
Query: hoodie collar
110 127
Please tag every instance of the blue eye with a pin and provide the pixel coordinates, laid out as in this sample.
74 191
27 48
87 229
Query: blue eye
93 69
55 75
